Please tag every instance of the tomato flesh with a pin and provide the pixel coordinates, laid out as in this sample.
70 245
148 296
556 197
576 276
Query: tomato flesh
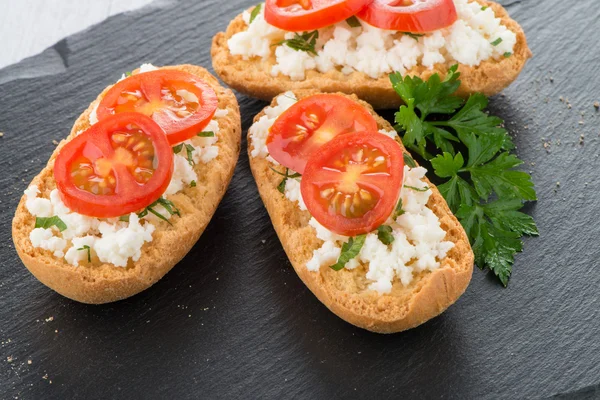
118 166
179 102
352 183
307 15
312 122
416 16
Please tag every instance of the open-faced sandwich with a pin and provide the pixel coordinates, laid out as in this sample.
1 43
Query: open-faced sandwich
351 46
365 230
131 189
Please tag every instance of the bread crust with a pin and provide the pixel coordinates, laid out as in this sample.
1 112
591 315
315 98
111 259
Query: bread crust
102 283
253 76
345 292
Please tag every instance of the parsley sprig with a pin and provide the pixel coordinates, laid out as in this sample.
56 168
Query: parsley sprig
470 153
286 175
304 42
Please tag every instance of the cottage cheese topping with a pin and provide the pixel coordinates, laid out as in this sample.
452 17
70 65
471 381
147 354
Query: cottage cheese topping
418 245
476 36
111 240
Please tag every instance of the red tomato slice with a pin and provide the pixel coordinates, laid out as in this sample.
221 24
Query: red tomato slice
416 16
351 184
181 103
311 122
118 166
308 15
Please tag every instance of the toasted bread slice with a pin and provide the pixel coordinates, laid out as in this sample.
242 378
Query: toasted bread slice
102 283
345 292
253 76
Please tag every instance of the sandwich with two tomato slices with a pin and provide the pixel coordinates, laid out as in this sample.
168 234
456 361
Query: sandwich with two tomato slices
128 193
364 229
351 46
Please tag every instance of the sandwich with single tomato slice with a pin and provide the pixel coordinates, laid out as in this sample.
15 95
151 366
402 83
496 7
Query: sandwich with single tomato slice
363 227
128 193
351 46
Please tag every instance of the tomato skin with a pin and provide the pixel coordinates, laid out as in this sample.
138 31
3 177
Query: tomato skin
308 15
428 16
153 93
311 122
96 143
337 166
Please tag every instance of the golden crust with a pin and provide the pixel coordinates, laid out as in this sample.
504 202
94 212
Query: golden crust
345 292
102 283
253 76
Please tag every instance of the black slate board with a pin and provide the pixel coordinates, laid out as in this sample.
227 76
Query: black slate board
232 320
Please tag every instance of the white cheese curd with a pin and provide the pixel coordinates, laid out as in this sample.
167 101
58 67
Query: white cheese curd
117 245
260 129
45 239
78 252
418 244
292 191
112 240
377 52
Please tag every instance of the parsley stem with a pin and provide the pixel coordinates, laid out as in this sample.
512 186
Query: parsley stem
439 123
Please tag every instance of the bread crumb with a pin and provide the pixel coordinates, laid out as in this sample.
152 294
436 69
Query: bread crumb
9 359
597 106
45 376
29 362
55 142
1 134
49 319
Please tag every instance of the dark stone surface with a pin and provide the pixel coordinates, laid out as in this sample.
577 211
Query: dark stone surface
233 320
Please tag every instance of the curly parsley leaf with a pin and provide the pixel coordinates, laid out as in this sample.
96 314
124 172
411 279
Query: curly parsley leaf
302 42
384 234
255 12
48 222
206 134
469 151
350 250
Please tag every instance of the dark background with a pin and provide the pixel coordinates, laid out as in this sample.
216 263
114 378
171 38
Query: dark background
233 319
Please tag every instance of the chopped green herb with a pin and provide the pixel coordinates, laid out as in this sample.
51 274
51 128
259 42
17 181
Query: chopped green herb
507 54
471 155
353 22
255 12
193 184
384 234
128 73
497 42
177 149
124 218
415 36
286 175
48 222
484 8
86 247
350 249
408 160
167 204
398 211
189 149
304 42
417 189
206 134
